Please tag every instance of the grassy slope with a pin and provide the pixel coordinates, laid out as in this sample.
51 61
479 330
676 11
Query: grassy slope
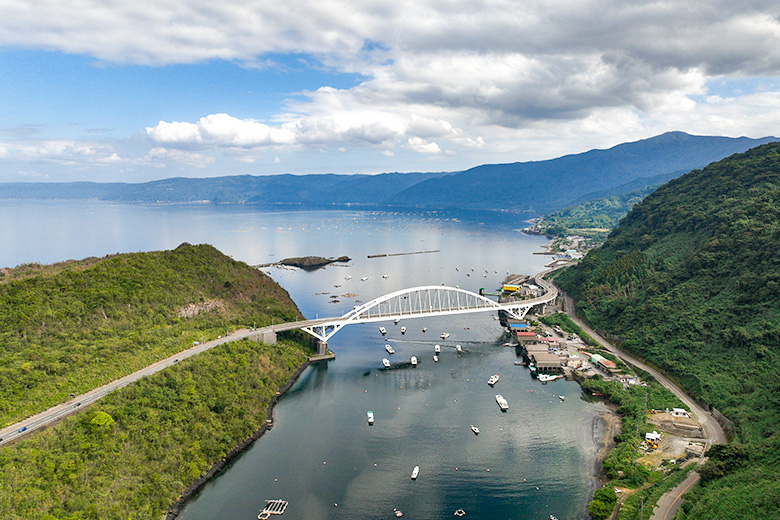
689 282
73 326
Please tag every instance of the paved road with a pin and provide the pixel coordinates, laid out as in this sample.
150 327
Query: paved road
76 403
713 432
671 501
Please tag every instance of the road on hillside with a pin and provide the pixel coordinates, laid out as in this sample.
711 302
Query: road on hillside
671 501
74 404
711 429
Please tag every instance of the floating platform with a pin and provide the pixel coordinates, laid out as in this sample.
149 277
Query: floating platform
272 507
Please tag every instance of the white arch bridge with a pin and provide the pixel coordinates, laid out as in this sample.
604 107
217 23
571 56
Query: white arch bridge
421 302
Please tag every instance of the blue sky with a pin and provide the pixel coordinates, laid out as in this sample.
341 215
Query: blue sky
106 91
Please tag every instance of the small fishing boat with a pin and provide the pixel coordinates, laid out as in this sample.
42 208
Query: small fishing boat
370 415
502 403
437 348
386 363
389 349
475 429
562 397
396 320
383 330
364 279
493 379
415 472
436 358
425 328
445 335
414 360
458 348
403 330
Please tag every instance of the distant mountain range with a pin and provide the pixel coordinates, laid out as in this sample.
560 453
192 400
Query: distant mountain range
529 187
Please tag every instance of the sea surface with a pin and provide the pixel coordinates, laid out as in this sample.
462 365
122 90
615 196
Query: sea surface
322 456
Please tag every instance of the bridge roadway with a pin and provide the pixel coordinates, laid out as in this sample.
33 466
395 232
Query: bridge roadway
74 404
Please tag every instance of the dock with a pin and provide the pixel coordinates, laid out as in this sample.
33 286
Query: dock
272 507
402 254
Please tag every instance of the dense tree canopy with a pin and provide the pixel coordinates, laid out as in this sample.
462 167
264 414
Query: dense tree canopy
689 281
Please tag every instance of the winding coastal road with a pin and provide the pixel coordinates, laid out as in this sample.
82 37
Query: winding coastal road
670 501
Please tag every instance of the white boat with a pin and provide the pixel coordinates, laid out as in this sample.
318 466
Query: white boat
370 417
364 279
437 348
436 358
502 402
458 348
445 335
386 362
415 472
425 328
398 513
348 277
493 379
383 330
414 360
544 378
562 397
396 320
385 276
403 330
475 429
389 349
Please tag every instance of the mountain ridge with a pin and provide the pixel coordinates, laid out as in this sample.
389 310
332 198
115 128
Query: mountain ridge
532 187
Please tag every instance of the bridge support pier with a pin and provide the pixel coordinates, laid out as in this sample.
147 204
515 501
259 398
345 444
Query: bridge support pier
320 346
266 336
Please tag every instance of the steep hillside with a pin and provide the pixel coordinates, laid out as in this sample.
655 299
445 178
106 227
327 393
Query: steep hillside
73 326
546 186
689 281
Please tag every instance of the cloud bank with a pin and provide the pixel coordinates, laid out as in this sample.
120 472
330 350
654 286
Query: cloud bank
443 77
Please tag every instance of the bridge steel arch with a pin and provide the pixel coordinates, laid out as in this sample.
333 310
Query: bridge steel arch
419 302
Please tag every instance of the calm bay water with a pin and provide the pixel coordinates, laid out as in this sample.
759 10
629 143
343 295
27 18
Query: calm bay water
535 460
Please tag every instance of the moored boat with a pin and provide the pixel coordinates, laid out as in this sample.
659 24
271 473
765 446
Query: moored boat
445 335
458 348
436 358
437 348
383 330
415 472
502 403
386 362
544 378
403 330
414 360
389 349
370 415
475 429
493 379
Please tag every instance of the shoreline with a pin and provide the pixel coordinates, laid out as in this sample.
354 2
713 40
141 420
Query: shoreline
193 489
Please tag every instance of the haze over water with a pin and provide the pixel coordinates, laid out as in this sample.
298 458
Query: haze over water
321 451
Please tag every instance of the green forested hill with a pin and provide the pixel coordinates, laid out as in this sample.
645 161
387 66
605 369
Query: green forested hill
689 281
70 327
